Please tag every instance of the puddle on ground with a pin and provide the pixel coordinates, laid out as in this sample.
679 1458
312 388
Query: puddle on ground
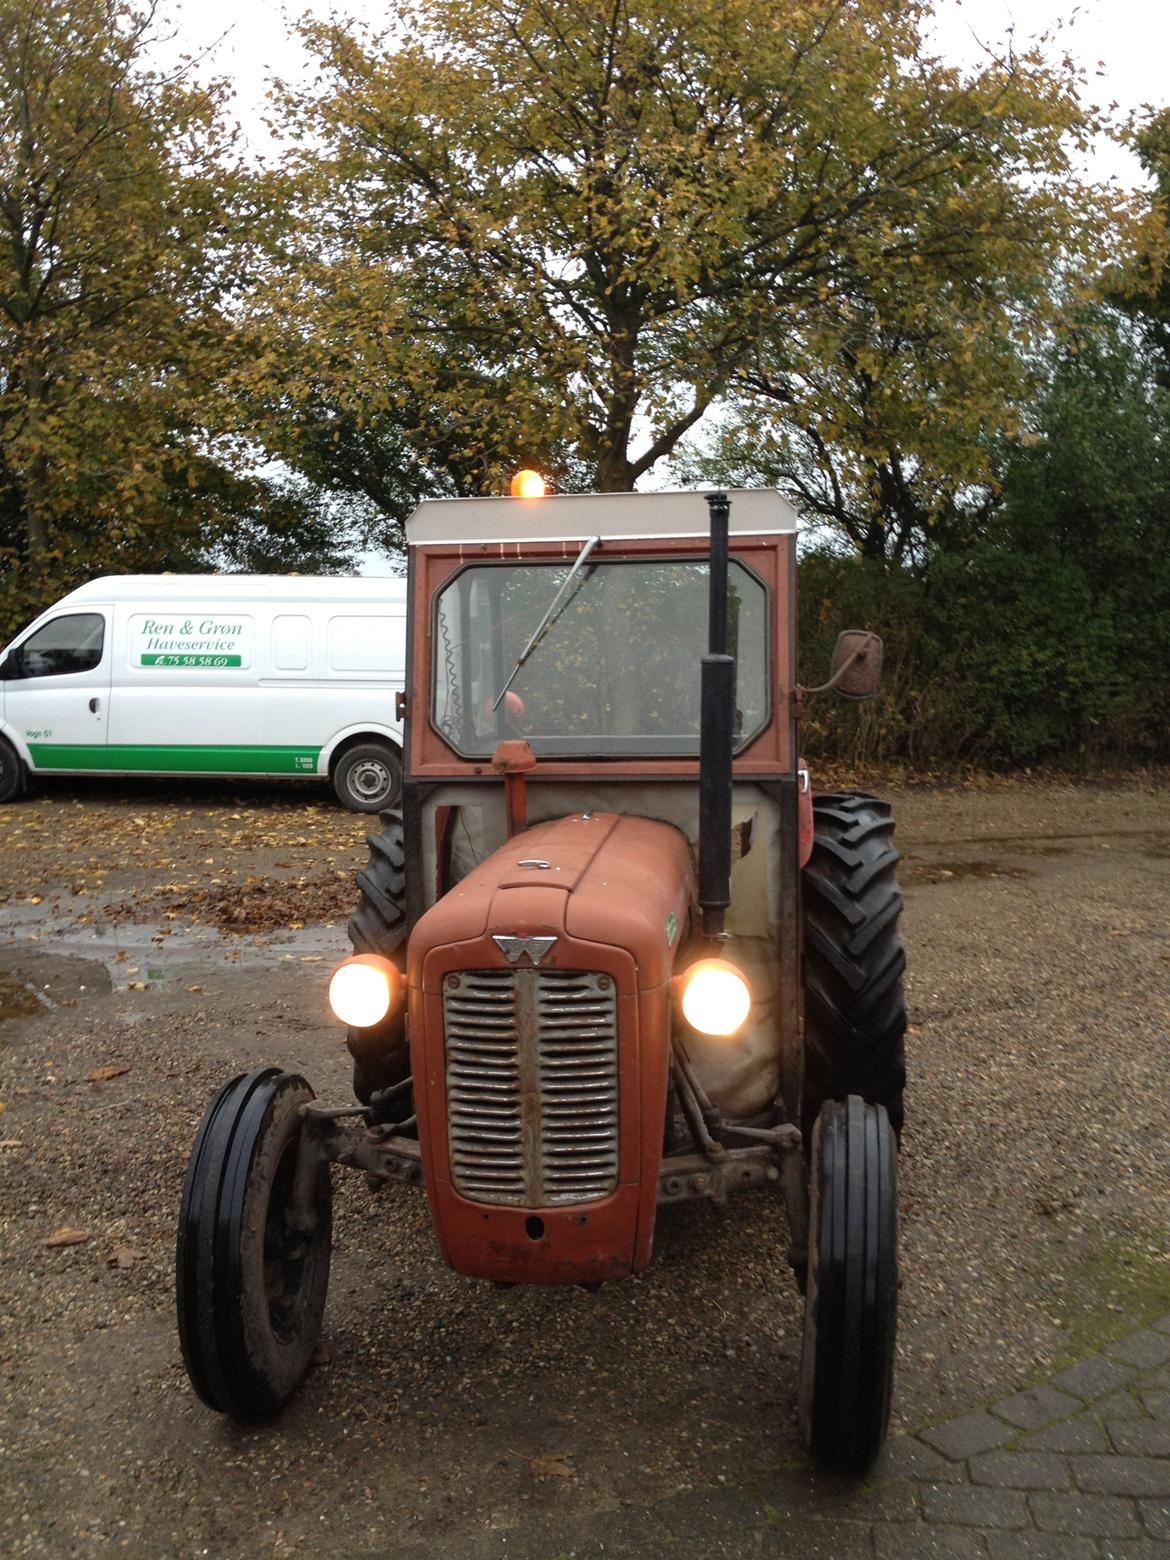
16 1000
951 871
133 952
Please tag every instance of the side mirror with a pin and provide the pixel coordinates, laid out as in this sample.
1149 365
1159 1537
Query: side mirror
856 669
7 668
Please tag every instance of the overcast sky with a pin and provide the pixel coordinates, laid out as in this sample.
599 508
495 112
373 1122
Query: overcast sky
1127 41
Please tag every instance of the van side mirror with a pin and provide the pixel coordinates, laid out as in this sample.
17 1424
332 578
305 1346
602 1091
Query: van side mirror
856 668
8 666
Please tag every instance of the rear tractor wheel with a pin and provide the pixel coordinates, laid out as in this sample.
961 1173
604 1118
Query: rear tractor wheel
378 925
854 1010
850 1314
252 1259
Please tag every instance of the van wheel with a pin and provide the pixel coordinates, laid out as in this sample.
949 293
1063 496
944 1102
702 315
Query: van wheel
368 777
12 772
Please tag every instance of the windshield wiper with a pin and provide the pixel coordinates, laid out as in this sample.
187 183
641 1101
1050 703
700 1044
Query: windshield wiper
556 605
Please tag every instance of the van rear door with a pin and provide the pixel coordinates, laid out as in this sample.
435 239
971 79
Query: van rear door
57 689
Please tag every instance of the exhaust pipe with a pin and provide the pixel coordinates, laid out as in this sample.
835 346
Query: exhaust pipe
716 735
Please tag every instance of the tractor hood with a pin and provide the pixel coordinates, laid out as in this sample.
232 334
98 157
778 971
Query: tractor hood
601 878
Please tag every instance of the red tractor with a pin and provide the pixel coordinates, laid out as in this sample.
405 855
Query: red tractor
612 954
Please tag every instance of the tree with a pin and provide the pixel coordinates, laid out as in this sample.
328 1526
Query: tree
887 440
1145 295
536 222
122 227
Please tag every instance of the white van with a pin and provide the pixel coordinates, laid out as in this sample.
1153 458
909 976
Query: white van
211 674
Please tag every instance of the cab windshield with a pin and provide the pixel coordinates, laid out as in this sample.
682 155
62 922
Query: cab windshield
615 673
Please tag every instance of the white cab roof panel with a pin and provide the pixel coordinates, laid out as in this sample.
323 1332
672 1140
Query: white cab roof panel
160 588
573 517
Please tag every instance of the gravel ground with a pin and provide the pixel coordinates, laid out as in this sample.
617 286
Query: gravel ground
1034 1193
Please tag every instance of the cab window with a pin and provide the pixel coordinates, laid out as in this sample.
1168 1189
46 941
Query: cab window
614 673
67 644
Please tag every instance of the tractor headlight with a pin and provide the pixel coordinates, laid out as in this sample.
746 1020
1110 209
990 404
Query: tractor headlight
363 990
716 999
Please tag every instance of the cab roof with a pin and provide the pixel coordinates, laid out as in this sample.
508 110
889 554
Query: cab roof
574 517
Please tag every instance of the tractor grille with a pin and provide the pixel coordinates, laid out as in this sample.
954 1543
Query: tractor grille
532 1085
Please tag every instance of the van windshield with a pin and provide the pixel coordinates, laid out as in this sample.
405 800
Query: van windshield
616 673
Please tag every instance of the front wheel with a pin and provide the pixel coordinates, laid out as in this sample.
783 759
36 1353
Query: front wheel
13 777
851 1306
252 1267
368 777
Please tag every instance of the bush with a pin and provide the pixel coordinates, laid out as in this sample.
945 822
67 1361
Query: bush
995 657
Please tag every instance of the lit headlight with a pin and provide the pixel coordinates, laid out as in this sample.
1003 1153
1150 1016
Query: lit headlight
363 990
716 999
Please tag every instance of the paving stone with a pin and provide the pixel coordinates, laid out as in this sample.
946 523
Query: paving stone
929 1543
1039 1546
1141 1437
1133 1549
1162 1326
1119 1475
1146 1348
906 1457
1021 1470
1104 1516
965 1437
965 1505
1156 1401
1035 1407
1069 1435
1122 1405
1156 1516
1094 1377
1157 1378
814 1540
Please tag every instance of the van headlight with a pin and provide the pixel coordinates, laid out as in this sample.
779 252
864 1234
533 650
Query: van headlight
363 990
716 999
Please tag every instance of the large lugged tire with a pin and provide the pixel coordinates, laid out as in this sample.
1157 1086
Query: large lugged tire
249 1286
854 1009
12 772
378 925
850 1319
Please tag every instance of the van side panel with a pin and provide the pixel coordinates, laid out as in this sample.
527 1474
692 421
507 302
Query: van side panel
346 689
186 695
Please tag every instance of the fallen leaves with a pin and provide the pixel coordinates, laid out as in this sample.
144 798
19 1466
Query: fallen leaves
124 1257
66 1236
258 904
548 1465
104 1074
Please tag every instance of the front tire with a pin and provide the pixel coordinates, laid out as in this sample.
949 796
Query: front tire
13 776
250 1287
847 1362
854 1008
368 778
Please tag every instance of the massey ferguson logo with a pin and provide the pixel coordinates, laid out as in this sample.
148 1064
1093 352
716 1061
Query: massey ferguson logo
514 948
